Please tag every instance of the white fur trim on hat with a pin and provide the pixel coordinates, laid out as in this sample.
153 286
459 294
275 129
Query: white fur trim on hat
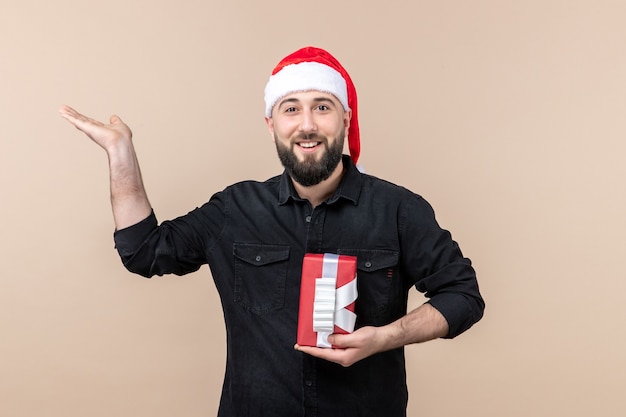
305 76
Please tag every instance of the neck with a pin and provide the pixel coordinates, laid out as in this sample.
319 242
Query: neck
318 193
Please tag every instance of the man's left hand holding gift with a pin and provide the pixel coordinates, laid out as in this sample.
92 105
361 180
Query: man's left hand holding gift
420 325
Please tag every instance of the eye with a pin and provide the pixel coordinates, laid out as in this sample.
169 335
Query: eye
290 109
323 107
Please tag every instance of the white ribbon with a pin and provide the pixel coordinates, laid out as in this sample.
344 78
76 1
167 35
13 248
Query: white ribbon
329 305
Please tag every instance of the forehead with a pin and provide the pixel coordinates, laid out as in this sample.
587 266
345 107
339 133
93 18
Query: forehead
309 96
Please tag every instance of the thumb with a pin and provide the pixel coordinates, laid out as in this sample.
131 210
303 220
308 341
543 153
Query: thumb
337 340
115 119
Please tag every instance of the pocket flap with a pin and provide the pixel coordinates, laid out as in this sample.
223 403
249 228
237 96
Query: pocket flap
373 259
259 254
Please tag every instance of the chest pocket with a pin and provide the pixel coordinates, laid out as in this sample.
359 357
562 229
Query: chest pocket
260 276
377 276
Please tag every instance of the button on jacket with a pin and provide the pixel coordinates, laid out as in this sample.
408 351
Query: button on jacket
254 235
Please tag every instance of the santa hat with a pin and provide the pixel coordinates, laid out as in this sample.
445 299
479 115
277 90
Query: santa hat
313 68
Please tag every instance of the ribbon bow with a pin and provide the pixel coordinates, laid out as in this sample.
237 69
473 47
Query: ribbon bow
330 303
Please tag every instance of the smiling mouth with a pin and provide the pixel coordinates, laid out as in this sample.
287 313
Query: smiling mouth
308 145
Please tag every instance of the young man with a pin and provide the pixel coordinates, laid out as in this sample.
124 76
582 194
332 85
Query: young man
254 236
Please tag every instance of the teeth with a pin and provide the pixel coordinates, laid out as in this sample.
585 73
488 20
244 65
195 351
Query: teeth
309 144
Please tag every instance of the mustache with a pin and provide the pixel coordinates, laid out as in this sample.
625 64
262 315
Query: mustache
311 136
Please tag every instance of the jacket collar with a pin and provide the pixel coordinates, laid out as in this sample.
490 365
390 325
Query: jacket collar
349 188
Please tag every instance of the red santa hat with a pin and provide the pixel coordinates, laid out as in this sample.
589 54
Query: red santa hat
313 68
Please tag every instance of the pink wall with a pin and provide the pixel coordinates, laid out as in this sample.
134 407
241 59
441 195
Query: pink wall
507 116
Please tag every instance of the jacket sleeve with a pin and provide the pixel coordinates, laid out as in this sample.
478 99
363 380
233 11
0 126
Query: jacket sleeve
436 266
178 246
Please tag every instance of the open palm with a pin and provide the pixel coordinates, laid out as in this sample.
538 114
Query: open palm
105 135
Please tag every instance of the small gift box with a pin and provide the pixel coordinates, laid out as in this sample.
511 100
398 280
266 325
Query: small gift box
327 296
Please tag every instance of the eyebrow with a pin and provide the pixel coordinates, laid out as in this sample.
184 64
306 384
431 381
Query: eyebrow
316 99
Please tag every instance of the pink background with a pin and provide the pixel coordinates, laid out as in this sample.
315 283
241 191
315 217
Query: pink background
508 116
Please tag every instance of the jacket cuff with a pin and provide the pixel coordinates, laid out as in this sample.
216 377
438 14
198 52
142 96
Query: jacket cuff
458 312
127 240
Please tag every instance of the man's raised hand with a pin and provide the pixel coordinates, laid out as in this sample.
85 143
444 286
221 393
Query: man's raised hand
105 135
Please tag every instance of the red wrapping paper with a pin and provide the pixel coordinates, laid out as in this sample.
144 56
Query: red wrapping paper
312 270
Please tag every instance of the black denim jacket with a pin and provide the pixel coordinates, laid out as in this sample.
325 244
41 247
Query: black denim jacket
254 235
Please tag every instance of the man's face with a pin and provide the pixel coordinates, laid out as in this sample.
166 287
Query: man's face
309 130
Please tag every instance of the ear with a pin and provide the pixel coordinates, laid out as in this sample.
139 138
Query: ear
347 116
270 126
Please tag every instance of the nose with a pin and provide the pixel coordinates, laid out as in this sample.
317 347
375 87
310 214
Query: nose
307 122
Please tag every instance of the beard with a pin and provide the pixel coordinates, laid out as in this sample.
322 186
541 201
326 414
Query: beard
311 172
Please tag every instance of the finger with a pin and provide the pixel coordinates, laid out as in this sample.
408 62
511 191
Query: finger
70 113
342 357
66 109
324 353
79 120
82 123
315 351
311 350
